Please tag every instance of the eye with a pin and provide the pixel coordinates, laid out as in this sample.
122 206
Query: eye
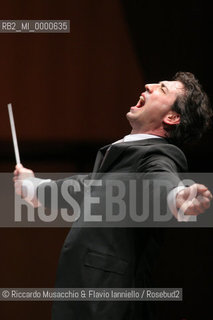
147 89
163 88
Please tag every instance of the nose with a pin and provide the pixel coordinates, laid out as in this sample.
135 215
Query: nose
151 87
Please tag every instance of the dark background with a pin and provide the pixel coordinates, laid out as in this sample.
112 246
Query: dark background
70 93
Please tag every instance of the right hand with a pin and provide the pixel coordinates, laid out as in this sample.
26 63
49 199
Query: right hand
21 173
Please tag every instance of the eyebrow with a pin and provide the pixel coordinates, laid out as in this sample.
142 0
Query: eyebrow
164 86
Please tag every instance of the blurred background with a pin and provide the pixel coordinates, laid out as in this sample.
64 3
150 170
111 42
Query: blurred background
70 93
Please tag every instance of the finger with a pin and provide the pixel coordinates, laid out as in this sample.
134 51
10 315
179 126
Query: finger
19 166
207 194
191 191
206 205
197 206
201 203
204 201
201 188
16 178
191 212
193 207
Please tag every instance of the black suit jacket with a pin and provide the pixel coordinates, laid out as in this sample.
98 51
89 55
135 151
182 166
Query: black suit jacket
115 257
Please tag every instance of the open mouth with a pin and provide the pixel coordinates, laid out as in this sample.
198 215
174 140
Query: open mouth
141 102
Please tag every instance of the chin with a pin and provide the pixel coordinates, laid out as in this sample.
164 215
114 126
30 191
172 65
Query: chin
132 114
129 115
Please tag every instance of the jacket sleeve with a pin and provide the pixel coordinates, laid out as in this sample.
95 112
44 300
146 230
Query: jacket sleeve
64 193
165 162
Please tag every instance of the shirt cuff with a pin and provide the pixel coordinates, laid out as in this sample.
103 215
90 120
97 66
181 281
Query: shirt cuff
29 187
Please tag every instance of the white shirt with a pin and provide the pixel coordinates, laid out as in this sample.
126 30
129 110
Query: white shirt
137 136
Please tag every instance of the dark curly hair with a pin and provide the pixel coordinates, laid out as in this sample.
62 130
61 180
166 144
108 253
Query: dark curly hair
194 109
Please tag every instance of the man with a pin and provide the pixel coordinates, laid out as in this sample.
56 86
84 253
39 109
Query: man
167 113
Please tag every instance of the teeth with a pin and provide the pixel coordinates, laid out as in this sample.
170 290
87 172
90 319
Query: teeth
142 101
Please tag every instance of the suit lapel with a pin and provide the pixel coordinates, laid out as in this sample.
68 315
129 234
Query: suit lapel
113 153
103 161
99 157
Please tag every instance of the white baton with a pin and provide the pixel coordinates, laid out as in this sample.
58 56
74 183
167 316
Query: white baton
13 130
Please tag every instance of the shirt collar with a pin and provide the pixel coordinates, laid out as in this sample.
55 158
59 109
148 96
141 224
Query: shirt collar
137 136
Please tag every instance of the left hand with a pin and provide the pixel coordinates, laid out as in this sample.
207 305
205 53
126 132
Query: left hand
194 200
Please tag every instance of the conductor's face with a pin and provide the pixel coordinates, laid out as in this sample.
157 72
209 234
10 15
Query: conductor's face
154 107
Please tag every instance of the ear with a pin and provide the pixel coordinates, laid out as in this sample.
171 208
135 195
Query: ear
171 118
